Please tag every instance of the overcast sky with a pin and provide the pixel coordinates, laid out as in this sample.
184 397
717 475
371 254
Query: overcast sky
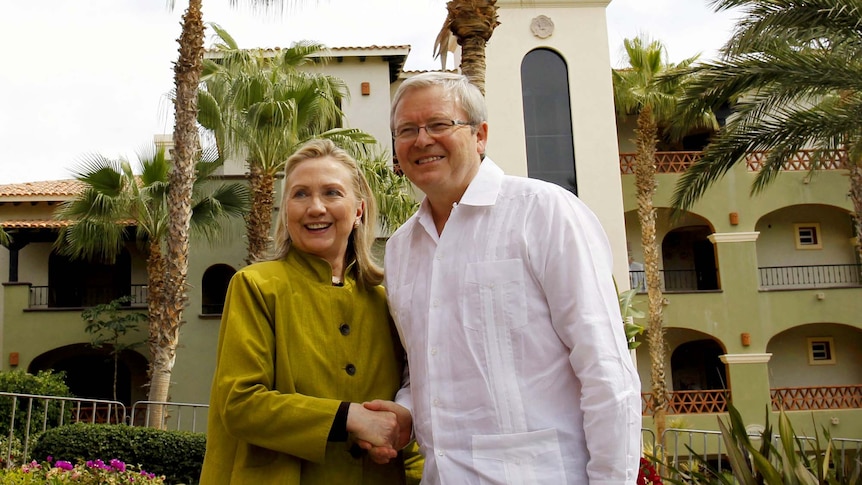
91 76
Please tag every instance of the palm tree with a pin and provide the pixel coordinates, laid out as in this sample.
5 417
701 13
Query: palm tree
395 203
640 90
472 22
796 69
114 199
260 105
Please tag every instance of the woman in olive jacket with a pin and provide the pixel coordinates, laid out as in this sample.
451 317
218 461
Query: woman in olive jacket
305 339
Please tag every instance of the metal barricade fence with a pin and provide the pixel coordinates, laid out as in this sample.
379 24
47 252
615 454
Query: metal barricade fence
177 416
30 414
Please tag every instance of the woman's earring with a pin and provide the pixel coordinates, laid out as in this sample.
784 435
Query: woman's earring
356 224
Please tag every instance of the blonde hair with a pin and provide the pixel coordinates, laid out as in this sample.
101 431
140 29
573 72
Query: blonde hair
362 237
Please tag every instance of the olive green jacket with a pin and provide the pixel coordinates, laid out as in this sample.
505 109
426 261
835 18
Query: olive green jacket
291 347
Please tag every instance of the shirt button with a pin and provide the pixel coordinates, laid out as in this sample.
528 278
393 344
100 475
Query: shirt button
436 302
440 453
436 402
344 329
350 369
433 350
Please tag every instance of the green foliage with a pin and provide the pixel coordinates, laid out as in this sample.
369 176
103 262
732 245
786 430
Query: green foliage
107 324
44 383
785 461
178 455
395 203
629 313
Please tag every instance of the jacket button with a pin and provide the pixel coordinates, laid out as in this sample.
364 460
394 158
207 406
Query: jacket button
344 329
350 369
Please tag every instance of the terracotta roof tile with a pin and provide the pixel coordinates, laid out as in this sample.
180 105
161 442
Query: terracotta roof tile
50 188
34 224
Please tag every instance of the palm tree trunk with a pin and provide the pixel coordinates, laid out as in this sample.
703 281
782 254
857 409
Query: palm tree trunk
187 72
855 168
259 219
646 140
472 22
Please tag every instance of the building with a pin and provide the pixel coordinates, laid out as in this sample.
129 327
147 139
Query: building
762 293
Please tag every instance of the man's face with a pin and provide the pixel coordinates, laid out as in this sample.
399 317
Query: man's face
443 164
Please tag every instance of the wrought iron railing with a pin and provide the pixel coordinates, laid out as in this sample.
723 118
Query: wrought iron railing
690 402
811 276
821 397
676 280
678 162
47 296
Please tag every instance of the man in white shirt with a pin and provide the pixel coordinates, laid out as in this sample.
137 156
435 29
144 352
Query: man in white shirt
502 293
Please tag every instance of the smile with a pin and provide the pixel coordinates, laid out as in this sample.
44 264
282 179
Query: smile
318 226
425 160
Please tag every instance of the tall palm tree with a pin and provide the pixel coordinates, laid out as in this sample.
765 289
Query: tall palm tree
260 105
471 22
114 199
795 68
640 90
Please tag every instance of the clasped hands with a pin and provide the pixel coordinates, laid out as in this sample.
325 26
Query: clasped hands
380 427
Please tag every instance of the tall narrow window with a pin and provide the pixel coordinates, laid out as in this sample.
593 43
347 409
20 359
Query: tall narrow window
548 118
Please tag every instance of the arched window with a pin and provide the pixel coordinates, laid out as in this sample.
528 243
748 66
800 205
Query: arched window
548 118
214 284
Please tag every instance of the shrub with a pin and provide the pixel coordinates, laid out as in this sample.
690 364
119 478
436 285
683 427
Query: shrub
178 455
44 383
782 459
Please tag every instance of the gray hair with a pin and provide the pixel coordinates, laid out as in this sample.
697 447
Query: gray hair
466 95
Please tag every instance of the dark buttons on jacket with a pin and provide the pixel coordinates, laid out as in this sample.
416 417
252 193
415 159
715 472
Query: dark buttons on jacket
344 329
350 369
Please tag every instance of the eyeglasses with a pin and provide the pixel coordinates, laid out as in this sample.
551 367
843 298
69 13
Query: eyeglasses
434 129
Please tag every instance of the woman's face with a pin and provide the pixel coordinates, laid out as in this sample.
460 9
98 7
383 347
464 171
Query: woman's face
322 208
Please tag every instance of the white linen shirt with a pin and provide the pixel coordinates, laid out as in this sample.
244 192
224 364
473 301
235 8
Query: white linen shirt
519 369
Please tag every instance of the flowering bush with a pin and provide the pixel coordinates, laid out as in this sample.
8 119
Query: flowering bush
94 472
647 474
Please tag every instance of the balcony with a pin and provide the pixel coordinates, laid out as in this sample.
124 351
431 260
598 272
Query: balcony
815 276
690 402
44 297
677 280
788 398
678 162
813 398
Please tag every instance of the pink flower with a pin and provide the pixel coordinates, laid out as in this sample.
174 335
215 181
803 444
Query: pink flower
65 465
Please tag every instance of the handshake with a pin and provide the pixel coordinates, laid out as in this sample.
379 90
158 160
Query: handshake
380 427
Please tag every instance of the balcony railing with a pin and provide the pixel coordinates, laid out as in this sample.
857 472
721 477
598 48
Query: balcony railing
678 162
41 296
814 276
803 160
665 162
811 398
676 280
690 402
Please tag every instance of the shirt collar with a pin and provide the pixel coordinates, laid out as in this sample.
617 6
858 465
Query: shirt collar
482 191
316 268
485 186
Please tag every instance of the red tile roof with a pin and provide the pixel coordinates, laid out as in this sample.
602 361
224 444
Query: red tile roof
33 224
50 188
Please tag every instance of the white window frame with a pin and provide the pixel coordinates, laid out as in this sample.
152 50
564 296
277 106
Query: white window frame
817 347
806 240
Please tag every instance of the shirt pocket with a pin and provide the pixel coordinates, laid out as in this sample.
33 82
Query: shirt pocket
494 294
533 457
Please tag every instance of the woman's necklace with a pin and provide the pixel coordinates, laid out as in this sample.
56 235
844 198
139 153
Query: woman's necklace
336 281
